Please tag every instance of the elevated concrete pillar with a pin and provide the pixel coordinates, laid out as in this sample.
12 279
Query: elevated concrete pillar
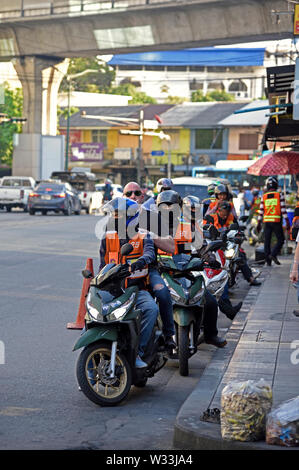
40 78
33 149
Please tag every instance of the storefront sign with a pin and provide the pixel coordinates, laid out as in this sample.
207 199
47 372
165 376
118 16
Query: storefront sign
87 152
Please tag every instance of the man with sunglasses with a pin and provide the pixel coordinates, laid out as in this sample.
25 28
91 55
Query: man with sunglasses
133 191
150 221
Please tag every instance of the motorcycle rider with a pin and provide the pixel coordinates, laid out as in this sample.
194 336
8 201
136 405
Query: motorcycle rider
222 193
151 223
222 219
272 212
122 227
169 205
210 199
163 184
191 205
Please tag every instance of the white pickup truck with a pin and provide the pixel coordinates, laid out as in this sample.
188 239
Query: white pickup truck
14 191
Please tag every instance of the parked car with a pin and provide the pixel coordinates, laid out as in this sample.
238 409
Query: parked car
97 197
188 185
14 191
83 181
54 196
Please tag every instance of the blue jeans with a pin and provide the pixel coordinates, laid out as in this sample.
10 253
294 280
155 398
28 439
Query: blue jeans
162 294
149 308
224 295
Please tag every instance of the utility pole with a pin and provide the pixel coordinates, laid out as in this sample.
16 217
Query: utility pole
140 148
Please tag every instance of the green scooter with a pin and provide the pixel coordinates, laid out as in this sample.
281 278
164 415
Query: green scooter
106 366
182 276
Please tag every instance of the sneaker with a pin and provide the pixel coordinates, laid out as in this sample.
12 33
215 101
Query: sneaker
216 341
273 258
139 363
255 283
296 313
169 342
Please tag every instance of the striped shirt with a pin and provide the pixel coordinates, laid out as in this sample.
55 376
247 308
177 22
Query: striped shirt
282 208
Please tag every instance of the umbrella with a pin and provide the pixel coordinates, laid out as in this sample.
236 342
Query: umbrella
276 163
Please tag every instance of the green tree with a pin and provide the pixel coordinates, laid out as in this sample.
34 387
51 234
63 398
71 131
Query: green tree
128 89
12 107
215 95
92 82
175 100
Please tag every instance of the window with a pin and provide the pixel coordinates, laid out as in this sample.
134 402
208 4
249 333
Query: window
208 138
196 68
248 141
237 86
99 136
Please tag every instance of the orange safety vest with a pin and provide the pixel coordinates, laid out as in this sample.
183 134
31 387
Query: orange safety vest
113 252
272 209
228 222
183 235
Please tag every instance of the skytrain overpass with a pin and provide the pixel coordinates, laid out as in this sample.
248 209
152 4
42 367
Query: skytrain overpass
41 35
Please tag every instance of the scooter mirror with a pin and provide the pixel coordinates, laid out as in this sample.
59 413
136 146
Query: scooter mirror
87 274
126 249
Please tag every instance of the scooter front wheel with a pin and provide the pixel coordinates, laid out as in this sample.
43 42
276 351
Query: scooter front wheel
183 353
94 375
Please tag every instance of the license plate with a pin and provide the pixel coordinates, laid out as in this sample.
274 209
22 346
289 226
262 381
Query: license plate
46 197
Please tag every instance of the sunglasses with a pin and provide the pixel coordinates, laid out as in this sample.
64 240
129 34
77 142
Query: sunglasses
129 193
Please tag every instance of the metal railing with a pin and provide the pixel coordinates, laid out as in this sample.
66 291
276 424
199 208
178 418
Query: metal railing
74 7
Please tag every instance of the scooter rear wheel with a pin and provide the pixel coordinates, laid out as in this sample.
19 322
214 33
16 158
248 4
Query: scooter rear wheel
183 332
94 377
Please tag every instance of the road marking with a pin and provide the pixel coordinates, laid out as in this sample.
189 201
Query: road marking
17 411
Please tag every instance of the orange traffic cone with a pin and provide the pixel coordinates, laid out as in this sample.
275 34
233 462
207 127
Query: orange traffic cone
79 324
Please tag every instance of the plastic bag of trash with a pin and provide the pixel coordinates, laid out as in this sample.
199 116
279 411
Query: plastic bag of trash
282 425
244 406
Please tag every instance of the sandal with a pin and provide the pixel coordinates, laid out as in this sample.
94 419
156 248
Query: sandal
212 415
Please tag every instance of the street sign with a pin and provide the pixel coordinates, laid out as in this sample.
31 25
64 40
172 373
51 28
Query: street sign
123 153
157 153
296 20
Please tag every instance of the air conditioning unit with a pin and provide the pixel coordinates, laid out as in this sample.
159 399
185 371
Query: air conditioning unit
204 159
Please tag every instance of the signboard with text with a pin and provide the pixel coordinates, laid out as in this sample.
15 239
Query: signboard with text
87 152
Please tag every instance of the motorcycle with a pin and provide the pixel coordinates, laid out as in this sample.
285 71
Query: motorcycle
234 238
216 279
106 366
182 275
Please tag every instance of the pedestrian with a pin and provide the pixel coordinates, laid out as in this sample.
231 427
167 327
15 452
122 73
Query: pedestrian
294 274
272 212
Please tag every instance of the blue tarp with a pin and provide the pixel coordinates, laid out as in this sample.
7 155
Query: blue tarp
209 56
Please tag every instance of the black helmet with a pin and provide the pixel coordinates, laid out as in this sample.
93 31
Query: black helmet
168 197
164 184
191 201
221 188
211 189
225 205
271 183
255 192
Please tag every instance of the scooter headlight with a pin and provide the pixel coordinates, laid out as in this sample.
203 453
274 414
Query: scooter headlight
92 310
120 312
229 254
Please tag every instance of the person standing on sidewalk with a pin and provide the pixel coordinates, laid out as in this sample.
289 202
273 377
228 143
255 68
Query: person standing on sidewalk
294 274
272 212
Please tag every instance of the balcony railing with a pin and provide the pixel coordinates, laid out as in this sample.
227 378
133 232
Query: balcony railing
73 7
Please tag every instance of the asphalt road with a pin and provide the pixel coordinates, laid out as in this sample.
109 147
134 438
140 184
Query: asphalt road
41 406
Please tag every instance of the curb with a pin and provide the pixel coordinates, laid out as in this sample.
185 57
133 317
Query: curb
190 433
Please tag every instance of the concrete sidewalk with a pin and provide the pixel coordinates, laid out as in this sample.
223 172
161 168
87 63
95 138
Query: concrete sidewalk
259 346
